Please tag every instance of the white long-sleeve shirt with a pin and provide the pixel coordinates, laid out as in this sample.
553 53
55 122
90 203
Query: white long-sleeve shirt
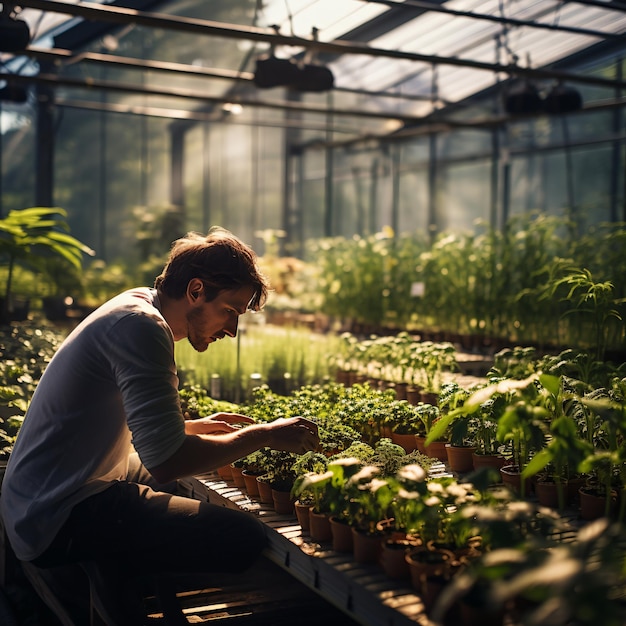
112 382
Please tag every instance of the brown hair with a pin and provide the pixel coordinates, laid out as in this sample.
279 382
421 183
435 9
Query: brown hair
219 259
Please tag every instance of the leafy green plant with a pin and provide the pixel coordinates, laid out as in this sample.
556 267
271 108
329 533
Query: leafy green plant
592 301
370 496
36 232
327 489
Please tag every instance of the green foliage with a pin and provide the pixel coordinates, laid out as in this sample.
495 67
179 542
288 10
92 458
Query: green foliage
34 233
534 282
26 351
269 351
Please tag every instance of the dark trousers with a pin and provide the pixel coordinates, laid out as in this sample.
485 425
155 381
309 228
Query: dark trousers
132 529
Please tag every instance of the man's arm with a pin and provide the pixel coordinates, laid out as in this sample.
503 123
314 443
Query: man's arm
216 423
199 454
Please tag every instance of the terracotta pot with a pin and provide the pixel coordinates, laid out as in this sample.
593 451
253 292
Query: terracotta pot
366 547
512 478
413 395
283 502
341 535
425 563
251 484
302 514
437 450
407 441
225 472
238 476
401 389
494 461
265 490
420 443
460 458
319 526
593 506
429 397
393 557
547 492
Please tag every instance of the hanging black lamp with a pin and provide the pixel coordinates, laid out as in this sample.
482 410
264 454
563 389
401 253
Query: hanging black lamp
314 78
13 93
14 34
270 71
562 99
523 99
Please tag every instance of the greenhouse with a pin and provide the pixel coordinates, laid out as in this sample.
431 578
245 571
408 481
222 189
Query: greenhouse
418 215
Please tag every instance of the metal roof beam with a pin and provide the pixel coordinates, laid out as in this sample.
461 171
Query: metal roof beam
68 57
93 11
119 87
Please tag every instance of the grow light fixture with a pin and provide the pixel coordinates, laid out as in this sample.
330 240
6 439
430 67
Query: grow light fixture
524 99
271 71
562 99
13 93
14 33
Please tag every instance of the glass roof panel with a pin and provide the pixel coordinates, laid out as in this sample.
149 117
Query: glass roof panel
466 30
332 19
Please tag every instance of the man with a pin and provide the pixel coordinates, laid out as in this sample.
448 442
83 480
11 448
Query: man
72 493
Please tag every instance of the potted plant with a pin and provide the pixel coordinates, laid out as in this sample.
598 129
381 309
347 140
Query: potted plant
369 496
433 439
328 495
461 445
565 450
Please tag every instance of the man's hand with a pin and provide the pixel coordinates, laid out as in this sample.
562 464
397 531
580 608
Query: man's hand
216 424
294 434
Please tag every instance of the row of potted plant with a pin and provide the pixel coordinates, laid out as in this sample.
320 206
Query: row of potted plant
449 539
412 365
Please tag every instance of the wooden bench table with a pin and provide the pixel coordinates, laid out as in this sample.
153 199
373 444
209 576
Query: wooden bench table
364 592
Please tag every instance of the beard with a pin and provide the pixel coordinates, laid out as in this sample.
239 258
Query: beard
197 341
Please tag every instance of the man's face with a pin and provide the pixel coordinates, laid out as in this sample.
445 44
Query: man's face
209 321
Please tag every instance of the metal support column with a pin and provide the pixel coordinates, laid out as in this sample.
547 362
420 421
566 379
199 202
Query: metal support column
44 149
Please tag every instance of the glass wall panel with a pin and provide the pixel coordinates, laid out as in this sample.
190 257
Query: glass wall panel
559 183
17 158
413 201
465 196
